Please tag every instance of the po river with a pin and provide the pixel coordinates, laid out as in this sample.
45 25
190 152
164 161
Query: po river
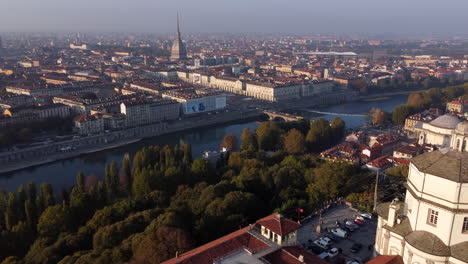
61 174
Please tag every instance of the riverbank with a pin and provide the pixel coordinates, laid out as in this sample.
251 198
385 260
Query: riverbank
64 156
373 96
40 155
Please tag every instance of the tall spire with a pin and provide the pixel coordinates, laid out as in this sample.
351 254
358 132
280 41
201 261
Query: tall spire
178 51
178 29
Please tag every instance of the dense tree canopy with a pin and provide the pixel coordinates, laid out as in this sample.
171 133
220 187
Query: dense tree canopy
163 202
294 142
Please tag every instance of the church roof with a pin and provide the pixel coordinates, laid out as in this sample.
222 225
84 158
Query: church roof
462 127
451 165
446 121
428 242
459 251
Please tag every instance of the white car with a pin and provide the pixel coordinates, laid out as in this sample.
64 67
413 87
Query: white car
339 232
327 240
333 252
366 215
360 218
321 243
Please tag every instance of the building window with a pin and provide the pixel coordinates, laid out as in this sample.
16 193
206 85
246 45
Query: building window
465 225
432 217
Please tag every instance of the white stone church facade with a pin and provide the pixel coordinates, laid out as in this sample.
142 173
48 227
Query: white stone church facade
431 225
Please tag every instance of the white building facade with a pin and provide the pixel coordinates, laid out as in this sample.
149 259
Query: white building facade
431 226
444 131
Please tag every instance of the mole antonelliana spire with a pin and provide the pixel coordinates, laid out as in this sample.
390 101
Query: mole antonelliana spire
178 51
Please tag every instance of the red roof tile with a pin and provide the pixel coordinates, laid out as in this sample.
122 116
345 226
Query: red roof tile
290 255
221 247
279 224
386 260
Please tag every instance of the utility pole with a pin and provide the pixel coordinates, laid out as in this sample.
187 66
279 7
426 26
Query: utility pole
375 190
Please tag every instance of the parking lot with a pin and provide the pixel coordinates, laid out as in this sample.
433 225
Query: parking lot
364 235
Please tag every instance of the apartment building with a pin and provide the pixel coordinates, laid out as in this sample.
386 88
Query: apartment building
143 112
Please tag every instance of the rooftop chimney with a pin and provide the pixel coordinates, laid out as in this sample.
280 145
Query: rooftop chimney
279 216
301 258
392 209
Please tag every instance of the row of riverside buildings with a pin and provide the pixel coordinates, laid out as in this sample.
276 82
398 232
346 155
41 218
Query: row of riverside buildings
269 89
95 114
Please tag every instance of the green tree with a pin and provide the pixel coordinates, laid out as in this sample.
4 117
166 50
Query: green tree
338 129
21 203
127 174
319 135
436 96
163 244
12 213
187 159
400 113
249 143
141 183
80 181
419 100
268 135
32 191
53 221
398 171
379 116
201 170
47 195
31 213
112 180
101 194
294 142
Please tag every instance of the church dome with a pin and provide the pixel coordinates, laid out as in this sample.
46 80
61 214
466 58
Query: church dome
446 121
462 127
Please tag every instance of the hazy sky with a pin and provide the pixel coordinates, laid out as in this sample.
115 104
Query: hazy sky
290 16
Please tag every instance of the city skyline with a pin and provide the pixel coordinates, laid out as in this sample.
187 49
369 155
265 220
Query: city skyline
208 16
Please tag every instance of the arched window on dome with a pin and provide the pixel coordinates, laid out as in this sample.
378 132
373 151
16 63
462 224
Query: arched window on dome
458 144
465 145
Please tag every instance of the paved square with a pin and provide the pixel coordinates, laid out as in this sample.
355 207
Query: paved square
365 235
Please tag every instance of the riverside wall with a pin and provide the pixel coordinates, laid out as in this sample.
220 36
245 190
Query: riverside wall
32 156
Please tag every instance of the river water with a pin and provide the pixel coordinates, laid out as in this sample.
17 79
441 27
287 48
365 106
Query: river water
61 174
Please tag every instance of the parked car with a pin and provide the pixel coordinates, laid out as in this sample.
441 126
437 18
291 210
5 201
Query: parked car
358 260
351 262
366 215
324 255
359 222
356 247
333 252
351 224
348 229
340 232
322 243
333 237
327 240
316 249
360 218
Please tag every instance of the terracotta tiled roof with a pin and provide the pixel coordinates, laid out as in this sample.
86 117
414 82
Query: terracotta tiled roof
279 224
221 247
386 260
291 255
